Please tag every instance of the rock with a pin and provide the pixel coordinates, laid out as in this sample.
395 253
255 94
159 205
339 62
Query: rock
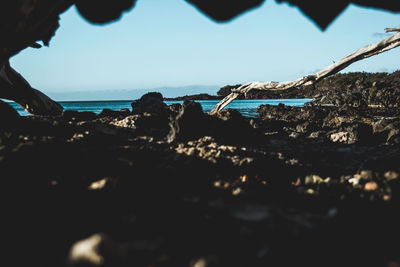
96 250
366 175
150 103
175 108
313 179
74 115
371 186
232 127
38 103
391 175
127 122
388 130
208 261
229 114
353 133
341 137
114 113
190 123
359 90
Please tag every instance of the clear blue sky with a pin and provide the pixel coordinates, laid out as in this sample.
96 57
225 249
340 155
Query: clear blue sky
169 43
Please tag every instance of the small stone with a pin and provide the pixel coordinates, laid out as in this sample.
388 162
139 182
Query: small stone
310 191
366 174
237 191
190 151
313 179
315 134
221 184
371 186
387 197
97 185
96 250
127 122
391 175
354 181
294 135
245 161
297 182
244 178
339 137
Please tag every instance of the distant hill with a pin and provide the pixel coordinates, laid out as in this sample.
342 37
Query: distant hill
168 92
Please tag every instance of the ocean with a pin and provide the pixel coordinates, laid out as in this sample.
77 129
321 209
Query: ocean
246 107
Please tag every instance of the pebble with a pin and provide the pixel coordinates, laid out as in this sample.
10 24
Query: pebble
339 137
371 186
96 250
391 175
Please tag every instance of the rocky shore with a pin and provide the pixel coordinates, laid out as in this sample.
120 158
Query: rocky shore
357 88
194 97
166 185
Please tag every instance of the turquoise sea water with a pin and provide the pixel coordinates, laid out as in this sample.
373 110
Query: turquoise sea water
246 107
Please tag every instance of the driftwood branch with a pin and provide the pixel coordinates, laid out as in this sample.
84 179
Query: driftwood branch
397 29
364 52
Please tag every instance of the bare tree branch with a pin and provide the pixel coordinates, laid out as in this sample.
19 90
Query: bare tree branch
364 52
396 29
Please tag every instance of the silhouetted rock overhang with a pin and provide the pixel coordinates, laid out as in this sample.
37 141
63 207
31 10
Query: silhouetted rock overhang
321 12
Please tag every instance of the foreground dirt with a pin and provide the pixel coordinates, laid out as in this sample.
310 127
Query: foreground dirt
172 186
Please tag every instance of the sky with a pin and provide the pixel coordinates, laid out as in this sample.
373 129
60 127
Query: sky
168 43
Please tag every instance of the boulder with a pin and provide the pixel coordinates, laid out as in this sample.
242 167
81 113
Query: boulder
189 124
150 103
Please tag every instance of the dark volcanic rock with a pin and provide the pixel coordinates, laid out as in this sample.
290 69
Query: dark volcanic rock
150 103
388 130
189 123
175 108
79 115
232 127
228 126
358 90
114 113
350 134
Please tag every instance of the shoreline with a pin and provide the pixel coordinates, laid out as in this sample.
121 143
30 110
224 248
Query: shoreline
172 185
169 185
